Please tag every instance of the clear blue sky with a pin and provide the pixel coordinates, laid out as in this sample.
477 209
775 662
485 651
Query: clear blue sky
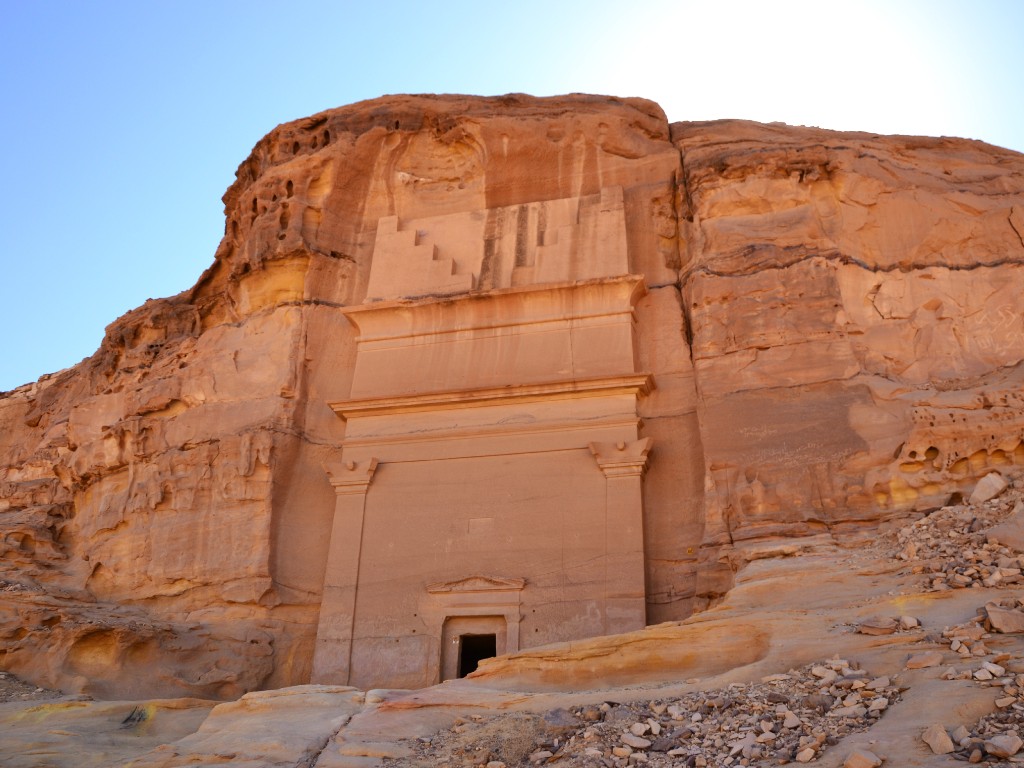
123 122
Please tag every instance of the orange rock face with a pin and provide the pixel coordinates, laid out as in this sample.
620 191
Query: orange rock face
710 334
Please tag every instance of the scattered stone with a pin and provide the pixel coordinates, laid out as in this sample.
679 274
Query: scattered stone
924 660
1004 620
1010 532
1003 745
785 718
935 736
862 758
878 683
990 486
662 744
817 701
639 729
636 742
742 745
995 669
560 720
854 711
909 622
791 721
877 705
996 735
961 547
878 627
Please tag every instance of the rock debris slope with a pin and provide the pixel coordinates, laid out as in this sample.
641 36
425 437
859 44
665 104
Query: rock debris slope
833 323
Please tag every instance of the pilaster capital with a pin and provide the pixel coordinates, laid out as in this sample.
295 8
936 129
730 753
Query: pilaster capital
349 477
623 458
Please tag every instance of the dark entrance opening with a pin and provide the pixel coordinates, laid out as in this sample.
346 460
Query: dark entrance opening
473 649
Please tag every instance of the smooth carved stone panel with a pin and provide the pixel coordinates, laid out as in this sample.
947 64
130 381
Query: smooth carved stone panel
587 241
483 416
551 241
516 335
405 264
495 421
457 492
541 516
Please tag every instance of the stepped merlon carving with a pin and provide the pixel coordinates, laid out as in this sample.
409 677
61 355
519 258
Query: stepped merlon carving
550 241
408 265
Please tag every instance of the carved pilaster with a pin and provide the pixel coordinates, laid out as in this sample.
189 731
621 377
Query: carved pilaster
351 476
622 459
332 657
623 464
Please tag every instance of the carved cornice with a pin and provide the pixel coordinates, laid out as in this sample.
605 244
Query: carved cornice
477 584
621 293
638 384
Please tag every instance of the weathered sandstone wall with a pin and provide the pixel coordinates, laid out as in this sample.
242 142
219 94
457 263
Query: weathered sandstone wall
833 322
857 324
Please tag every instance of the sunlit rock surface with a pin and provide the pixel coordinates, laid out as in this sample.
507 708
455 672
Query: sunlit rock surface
831 323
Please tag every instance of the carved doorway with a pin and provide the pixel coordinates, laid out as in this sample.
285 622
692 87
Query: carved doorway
468 640
473 649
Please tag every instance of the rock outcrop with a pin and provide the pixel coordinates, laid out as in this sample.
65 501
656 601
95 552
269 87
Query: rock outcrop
832 323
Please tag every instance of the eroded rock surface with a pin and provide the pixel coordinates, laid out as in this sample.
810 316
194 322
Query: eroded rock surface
833 323
856 333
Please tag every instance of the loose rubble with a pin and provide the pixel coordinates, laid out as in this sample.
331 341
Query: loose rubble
13 688
995 736
784 718
1005 616
964 546
888 625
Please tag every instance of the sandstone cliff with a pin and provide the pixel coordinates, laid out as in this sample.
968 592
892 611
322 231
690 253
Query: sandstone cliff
833 322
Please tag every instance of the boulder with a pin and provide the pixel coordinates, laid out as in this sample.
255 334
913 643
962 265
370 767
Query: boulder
990 486
885 626
862 758
938 740
1010 532
1003 745
1004 620
924 660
